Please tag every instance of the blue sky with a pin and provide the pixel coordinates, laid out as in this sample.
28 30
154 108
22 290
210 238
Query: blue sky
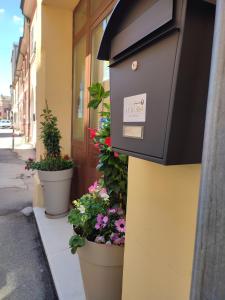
11 28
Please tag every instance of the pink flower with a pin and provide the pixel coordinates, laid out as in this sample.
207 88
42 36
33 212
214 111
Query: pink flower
111 211
116 154
93 187
114 236
105 220
120 225
119 241
100 218
103 194
97 226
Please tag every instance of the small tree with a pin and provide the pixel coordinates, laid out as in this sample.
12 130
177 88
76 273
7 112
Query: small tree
50 134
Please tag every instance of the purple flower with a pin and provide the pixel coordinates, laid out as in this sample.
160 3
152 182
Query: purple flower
119 241
103 194
114 236
120 225
97 226
111 211
100 218
105 219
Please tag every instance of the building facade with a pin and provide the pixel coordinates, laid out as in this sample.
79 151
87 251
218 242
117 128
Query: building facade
5 107
23 78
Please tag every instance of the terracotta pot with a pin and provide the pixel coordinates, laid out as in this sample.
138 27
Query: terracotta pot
56 191
102 270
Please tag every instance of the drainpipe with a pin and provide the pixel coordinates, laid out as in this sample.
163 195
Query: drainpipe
29 104
209 258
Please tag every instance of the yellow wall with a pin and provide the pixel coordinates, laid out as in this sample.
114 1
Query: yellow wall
161 219
54 78
54 40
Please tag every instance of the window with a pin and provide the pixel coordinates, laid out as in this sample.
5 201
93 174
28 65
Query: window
79 89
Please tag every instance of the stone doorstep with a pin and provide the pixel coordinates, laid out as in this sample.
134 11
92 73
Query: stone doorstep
64 266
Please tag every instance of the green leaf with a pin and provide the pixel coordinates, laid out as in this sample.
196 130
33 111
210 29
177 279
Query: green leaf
94 103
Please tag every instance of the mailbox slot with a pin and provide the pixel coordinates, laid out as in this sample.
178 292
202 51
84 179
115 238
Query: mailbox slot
159 14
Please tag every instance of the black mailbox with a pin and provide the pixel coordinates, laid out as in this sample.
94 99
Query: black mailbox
159 53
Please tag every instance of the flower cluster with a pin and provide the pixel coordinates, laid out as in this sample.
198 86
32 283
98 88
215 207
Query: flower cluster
95 220
111 227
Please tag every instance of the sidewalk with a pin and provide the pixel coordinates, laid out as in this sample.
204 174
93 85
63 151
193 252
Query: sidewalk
24 273
54 233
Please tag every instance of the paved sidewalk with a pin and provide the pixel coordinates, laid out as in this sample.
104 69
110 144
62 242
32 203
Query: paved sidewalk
24 273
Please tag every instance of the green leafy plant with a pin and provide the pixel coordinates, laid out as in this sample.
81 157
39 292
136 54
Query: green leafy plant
113 165
50 136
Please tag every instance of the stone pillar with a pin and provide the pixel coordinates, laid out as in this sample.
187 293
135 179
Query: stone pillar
209 261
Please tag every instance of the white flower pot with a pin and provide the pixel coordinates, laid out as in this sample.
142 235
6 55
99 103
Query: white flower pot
56 191
102 270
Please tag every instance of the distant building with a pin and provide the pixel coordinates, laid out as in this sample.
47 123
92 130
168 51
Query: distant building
24 76
15 104
5 107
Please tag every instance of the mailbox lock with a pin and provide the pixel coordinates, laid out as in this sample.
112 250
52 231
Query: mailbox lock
134 65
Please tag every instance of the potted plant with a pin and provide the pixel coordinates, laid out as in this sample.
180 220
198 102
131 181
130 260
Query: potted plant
99 239
54 170
98 218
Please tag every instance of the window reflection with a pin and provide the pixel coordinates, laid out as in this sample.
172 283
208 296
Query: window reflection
79 89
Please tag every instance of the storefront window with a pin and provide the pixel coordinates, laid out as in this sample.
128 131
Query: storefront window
79 89
99 69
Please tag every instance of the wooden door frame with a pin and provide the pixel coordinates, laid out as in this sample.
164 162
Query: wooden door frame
85 147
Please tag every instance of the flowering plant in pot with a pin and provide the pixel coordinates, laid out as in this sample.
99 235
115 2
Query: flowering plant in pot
54 170
98 217
94 220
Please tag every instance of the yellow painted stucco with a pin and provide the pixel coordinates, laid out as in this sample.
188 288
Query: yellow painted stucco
54 44
161 220
55 70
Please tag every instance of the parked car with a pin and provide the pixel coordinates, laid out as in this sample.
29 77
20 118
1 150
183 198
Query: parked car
5 124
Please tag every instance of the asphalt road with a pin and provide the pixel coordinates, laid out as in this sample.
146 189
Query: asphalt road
24 273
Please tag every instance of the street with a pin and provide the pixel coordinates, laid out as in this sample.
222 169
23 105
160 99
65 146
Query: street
24 273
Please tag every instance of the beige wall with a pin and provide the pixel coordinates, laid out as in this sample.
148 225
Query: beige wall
161 218
54 70
53 63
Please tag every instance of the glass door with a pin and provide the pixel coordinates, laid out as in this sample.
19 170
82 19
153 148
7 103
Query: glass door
90 20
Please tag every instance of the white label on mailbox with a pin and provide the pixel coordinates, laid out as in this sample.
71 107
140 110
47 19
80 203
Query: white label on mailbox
134 108
135 132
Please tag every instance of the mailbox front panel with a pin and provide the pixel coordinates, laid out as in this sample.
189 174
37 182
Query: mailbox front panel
140 96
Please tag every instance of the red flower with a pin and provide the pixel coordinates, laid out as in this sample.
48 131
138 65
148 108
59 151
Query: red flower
116 154
92 133
108 141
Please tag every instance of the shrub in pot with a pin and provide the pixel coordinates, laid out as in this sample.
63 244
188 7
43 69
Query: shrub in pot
98 218
54 170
